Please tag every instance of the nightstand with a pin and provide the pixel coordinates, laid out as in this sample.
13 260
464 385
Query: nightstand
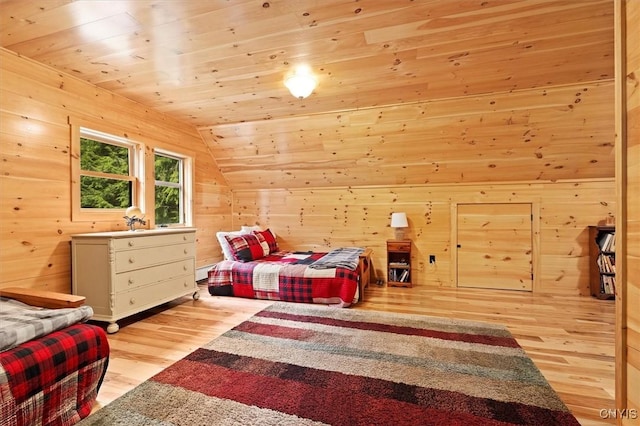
399 263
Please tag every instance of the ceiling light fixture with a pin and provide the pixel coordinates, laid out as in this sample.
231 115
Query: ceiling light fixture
301 83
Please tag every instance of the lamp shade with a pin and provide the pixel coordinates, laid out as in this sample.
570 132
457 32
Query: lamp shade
133 211
399 220
301 83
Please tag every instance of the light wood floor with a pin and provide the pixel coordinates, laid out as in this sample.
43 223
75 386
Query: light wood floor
570 338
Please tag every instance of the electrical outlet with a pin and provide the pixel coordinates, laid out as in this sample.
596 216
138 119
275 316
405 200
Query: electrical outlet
432 258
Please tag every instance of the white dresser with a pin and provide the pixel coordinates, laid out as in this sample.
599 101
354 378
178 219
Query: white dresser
125 272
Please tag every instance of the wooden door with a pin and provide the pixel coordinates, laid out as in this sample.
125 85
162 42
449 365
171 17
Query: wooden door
494 243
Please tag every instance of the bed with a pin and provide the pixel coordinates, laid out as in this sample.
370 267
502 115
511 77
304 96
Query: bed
255 267
52 363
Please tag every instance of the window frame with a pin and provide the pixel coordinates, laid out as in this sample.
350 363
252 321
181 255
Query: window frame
136 171
184 185
144 167
103 138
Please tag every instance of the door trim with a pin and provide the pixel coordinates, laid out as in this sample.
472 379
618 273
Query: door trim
535 239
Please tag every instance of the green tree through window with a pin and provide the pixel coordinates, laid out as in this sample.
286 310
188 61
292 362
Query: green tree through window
105 181
168 189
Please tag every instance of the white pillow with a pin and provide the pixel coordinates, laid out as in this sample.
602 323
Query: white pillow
224 244
250 229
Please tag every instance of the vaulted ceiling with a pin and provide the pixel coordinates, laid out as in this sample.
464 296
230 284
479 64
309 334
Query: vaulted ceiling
409 91
209 62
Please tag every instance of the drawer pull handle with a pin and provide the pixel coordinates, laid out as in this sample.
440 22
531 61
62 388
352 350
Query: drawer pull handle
130 280
186 251
131 243
184 267
132 301
132 260
185 284
184 238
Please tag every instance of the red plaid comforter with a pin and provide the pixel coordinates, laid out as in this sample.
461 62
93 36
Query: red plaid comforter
285 276
53 380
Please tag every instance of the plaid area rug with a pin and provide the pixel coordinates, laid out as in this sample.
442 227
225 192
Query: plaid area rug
295 364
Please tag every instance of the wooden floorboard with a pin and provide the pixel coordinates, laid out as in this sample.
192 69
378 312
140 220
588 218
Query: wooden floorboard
569 338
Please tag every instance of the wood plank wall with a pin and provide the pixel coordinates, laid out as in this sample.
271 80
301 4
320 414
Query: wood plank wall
323 218
342 174
540 134
37 100
628 214
35 189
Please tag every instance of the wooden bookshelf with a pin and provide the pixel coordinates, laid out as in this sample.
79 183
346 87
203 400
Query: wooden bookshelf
602 275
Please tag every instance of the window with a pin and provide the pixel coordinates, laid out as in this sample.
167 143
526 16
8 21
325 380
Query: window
172 186
107 174
110 173
106 181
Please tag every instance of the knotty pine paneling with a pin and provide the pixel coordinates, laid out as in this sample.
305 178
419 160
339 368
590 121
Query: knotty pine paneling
542 134
35 179
207 63
324 218
628 214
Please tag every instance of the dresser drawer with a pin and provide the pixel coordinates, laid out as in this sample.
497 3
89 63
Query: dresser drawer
141 277
130 260
138 241
148 296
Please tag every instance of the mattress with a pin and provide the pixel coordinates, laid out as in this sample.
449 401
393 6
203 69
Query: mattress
287 276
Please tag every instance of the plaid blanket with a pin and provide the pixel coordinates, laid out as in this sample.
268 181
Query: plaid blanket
344 257
285 276
20 322
53 380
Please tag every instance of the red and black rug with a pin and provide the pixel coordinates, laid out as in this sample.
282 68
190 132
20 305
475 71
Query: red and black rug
295 364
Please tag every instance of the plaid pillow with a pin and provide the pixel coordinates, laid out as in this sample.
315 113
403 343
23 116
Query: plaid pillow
270 238
245 248
263 244
224 244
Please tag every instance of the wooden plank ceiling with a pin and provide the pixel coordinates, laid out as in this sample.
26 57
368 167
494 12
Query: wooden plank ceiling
218 64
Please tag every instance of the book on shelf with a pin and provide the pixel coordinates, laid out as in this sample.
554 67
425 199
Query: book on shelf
398 264
607 242
612 245
608 284
606 263
399 275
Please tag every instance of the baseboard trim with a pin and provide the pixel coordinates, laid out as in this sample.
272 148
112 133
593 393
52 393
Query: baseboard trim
202 272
